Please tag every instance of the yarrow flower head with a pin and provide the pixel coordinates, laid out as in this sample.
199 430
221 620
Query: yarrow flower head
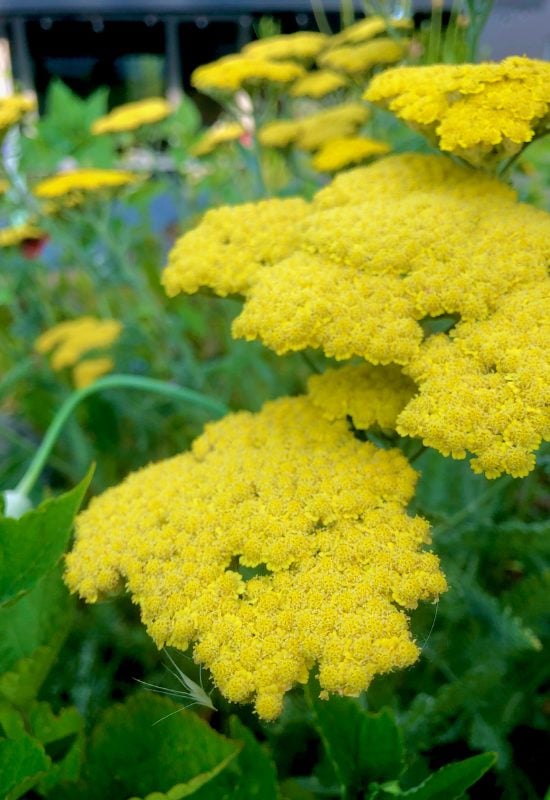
366 29
480 112
82 181
347 150
131 116
380 252
362 58
318 83
278 545
313 131
218 134
231 73
13 109
301 46
71 340
14 235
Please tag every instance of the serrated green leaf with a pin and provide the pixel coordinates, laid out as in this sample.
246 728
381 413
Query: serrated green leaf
451 781
31 545
63 739
135 752
22 763
32 631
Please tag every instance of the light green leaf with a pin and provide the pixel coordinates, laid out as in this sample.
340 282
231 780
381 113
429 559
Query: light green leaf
451 781
32 545
22 763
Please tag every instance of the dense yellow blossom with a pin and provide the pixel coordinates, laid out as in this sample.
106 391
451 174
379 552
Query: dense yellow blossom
384 248
13 109
318 84
230 73
292 46
86 372
361 58
369 395
82 180
340 153
366 29
16 234
220 133
313 131
480 112
70 340
318 514
130 116
231 244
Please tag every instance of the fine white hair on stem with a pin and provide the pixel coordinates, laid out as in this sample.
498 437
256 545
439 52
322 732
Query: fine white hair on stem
194 692
426 640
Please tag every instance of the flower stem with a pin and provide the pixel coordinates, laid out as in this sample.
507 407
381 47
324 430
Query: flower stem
36 466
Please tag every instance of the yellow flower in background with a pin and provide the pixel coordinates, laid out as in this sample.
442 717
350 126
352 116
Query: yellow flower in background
380 250
82 180
362 58
312 132
16 234
318 84
318 515
70 340
369 395
232 243
480 112
340 153
233 72
88 371
366 29
131 116
293 46
13 109
220 133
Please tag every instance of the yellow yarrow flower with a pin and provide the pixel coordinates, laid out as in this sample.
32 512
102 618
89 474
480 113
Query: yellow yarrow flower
16 234
88 371
359 59
220 133
480 112
312 132
280 542
340 153
13 109
299 46
366 29
318 84
82 181
70 340
234 72
131 116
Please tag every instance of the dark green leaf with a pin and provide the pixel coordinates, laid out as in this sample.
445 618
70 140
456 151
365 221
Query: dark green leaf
22 763
32 545
451 781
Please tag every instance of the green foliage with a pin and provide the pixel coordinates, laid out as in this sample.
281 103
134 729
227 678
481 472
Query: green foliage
22 764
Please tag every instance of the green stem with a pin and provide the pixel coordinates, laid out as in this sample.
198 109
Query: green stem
36 466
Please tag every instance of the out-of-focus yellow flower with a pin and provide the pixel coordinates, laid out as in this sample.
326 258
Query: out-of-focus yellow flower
312 132
130 116
88 371
362 58
318 84
82 181
480 112
322 518
233 72
70 340
13 109
220 133
367 29
16 234
299 46
340 153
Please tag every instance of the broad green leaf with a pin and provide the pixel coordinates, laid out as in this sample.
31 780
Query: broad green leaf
451 781
63 739
22 763
32 545
138 749
362 747
32 631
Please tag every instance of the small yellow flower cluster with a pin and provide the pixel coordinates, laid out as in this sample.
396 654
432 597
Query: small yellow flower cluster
315 130
339 153
300 46
131 116
73 339
220 133
13 109
269 561
318 84
82 180
366 29
231 73
480 112
232 243
386 246
370 395
362 58
16 234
